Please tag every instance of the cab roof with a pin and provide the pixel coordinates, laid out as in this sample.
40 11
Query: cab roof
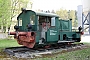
39 13
46 14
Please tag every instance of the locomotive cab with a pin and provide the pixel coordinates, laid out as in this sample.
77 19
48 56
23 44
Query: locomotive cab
35 28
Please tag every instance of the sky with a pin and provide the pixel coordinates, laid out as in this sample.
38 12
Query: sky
55 4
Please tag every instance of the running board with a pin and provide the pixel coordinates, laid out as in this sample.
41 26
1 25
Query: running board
65 41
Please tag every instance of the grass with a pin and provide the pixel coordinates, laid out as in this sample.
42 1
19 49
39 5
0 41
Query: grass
74 55
83 54
8 43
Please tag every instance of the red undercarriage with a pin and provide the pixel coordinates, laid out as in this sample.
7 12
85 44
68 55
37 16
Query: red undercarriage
24 38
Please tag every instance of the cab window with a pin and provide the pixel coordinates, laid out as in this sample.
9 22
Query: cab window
53 21
32 19
20 22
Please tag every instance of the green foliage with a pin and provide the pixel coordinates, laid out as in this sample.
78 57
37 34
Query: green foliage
24 3
72 15
9 10
4 12
16 6
62 13
65 14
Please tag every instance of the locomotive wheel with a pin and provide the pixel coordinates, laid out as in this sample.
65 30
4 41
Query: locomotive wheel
78 40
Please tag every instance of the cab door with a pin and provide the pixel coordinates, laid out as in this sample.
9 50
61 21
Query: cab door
52 32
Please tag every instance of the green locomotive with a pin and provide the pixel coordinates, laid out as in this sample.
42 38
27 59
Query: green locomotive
41 28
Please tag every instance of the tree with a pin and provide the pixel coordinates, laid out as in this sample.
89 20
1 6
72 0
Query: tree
63 13
67 14
8 10
16 6
4 14
76 20
73 16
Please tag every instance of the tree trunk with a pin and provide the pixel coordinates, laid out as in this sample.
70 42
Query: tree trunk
2 28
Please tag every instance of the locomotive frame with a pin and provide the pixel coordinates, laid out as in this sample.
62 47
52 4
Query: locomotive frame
41 28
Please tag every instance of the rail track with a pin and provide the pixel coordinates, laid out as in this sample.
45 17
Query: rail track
24 52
